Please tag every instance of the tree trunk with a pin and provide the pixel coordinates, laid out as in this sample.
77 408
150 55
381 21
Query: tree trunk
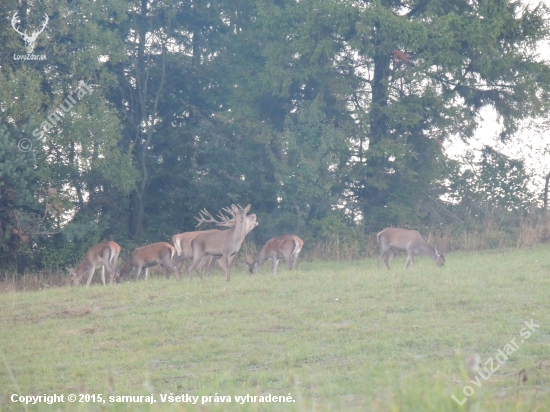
147 116
545 197
373 193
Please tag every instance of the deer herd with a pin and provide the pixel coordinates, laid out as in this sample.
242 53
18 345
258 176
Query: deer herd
216 245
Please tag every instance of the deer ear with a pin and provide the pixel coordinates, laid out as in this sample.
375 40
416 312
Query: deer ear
246 209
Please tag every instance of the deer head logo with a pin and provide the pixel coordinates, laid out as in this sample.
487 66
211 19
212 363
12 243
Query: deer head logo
29 40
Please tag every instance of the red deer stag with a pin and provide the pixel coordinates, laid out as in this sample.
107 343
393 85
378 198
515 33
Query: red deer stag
103 255
182 243
223 243
411 241
287 246
148 256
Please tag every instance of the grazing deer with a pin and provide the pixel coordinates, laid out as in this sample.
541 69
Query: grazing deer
103 255
393 239
148 256
287 246
182 243
223 243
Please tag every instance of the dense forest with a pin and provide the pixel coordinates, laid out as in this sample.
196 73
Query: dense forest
121 120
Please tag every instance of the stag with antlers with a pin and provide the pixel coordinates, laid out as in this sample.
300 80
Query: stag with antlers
224 243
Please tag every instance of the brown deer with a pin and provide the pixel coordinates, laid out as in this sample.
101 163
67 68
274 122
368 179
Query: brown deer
286 246
223 243
393 239
103 255
148 256
182 243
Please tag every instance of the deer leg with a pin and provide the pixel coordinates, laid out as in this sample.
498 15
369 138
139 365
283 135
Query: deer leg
410 259
200 266
90 275
114 262
275 262
202 263
231 259
380 257
178 260
212 263
165 267
295 261
106 265
389 256
227 269
168 267
288 262
190 269
138 271
174 270
194 263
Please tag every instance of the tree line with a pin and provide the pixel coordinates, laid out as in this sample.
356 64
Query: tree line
329 117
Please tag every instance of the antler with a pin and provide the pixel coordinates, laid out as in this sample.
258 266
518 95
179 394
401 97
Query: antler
228 210
14 20
206 217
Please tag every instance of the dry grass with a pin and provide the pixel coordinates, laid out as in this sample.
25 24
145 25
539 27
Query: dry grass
33 281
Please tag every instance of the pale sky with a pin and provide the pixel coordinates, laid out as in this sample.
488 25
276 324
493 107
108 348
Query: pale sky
531 143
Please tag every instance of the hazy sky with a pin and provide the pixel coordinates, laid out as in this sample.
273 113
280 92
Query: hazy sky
531 143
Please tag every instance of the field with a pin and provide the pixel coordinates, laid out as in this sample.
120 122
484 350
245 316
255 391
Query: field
334 336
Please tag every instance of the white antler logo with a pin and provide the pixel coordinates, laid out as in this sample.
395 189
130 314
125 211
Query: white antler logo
29 40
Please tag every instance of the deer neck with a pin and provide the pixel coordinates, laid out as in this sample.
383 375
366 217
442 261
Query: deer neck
428 251
237 233
261 257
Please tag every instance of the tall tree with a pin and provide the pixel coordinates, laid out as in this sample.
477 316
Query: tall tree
428 68
61 101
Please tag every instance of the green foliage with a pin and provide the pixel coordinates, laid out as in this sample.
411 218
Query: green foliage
495 181
335 237
18 202
307 110
308 165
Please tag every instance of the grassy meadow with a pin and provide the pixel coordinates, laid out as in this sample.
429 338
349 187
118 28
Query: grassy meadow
336 336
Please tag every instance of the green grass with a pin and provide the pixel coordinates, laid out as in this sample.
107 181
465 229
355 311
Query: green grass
335 335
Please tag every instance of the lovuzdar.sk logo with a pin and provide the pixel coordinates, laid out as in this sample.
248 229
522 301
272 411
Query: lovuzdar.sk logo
29 39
